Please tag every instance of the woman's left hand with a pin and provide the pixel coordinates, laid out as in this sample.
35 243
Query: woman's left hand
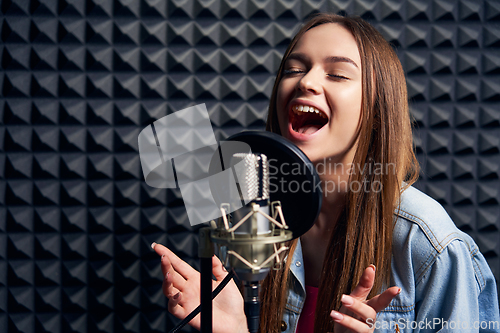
358 314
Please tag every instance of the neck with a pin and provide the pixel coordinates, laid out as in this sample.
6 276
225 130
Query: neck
315 241
335 180
331 208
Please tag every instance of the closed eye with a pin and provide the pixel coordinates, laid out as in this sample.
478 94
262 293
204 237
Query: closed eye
292 71
300 71
336 76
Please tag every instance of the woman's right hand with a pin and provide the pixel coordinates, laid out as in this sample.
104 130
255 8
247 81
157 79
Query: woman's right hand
181 285
358 314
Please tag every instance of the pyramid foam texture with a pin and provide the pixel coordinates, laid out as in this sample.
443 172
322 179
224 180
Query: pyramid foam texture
80 79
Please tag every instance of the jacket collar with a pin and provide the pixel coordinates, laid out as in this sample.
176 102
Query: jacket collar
297 266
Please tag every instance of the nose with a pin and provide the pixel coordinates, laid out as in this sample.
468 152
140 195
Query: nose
310 82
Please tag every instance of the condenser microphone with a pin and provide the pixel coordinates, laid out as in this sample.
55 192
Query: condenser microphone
293 180
251 240
253 190
270 196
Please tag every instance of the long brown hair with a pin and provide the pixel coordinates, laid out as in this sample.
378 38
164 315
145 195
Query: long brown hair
363 233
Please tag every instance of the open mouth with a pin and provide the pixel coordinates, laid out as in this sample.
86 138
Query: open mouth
307 119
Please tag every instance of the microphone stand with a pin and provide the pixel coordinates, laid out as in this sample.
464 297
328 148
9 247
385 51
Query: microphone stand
250 294
252 305
250 250
205 252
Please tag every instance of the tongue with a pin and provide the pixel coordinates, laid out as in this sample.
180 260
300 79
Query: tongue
309 129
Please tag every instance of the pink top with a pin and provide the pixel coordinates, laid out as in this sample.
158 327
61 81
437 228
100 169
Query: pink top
306 319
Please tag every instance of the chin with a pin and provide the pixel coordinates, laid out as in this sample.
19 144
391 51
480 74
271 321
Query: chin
310 152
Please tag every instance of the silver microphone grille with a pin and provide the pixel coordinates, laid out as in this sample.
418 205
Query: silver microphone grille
256 176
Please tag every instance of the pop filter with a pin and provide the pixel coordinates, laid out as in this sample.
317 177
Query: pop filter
292 176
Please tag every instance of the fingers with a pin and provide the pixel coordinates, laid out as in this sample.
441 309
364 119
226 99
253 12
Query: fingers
363 312
349 322
360 309
179 265
174 307
168 286
167 267
171 279
173 282
380 302
365 284
218 269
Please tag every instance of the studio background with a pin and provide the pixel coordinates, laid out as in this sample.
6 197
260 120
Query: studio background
80 79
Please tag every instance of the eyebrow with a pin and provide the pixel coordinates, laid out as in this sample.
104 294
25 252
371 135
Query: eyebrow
303 58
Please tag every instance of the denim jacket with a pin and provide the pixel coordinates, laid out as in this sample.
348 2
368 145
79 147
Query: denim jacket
446 283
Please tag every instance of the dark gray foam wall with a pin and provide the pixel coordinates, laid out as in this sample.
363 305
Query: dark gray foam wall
80 79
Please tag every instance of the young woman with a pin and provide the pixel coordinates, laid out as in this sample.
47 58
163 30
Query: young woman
340 95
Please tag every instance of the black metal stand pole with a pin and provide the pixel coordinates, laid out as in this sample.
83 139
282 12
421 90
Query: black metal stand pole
205 252
252 305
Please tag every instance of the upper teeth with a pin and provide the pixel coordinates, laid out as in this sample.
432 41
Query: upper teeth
306 108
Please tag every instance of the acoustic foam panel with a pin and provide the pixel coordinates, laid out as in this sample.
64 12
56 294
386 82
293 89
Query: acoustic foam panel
80 79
